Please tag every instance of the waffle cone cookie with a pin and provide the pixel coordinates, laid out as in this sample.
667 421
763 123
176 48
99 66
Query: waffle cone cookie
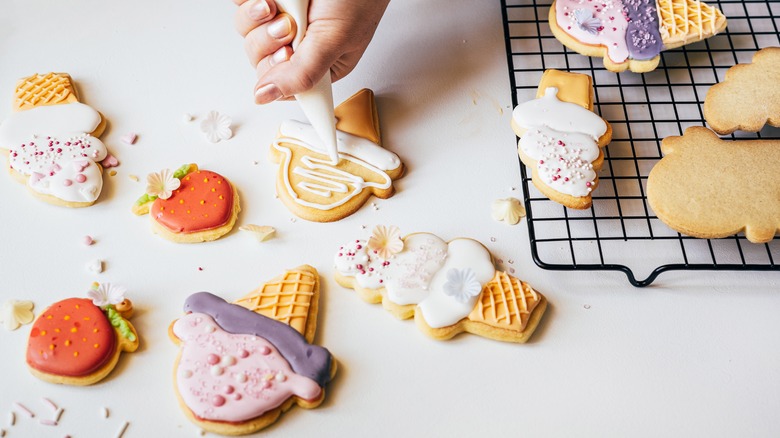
561 139
631 34
748 98
189 205
78 341
448 287
242 365
315 189
51 141
710 188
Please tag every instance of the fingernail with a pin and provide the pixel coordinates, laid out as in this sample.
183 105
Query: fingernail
259 10
278 56
267 94
279 28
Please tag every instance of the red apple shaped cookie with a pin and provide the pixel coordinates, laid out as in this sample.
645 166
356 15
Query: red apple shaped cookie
77 341
189 205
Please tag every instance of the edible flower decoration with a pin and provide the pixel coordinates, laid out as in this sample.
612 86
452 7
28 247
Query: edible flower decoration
587 21
111 300
462 284
14 313
386 241
509 210
162 184
216 126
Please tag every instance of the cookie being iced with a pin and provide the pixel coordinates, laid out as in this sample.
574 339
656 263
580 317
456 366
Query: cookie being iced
78 341
631 34
315 189
189 205
51 141
561 138
710 188
748 98
242 365
449 287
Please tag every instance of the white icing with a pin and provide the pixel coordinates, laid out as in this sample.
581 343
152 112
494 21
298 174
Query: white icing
563 139
50 144
417 274
323 179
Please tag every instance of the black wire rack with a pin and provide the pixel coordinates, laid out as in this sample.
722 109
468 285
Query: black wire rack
620 232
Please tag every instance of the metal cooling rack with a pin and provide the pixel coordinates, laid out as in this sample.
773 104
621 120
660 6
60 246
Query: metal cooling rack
620 232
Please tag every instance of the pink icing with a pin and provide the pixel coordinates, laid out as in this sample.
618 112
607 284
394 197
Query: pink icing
611 29
233 377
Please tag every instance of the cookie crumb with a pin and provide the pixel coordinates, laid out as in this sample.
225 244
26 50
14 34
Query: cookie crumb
112 173
187 117
134 178
87 240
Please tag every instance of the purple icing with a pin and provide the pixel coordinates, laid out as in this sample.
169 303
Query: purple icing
643 35
308 360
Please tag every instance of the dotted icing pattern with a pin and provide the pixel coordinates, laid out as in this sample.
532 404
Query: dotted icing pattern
203 201
71 338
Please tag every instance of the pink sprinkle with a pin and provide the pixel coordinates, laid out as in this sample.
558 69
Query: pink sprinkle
265 351
212 359
359 246
24 409
243 354
218 400
199 268
67 182
129 138
80 178
229 389
49 403
87 240
47 422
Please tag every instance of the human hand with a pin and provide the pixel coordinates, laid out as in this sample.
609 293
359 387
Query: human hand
337 36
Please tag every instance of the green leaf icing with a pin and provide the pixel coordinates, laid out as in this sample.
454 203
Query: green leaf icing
182 171
120 323
144 199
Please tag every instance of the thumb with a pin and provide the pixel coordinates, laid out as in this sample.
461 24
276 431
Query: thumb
307 65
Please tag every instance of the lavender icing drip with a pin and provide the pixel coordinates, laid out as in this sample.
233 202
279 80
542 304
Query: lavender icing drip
308 360
643 35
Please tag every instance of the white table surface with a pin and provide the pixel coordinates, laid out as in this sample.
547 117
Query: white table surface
696 354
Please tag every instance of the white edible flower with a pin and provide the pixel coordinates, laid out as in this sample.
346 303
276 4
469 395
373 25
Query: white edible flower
462 284
216 126
509 210
106 294
14 313
162 184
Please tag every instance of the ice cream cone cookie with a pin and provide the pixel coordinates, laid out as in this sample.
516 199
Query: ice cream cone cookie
51 141
749 97
561 138
448 287
189 205
315 189
631 34
242 365
78 341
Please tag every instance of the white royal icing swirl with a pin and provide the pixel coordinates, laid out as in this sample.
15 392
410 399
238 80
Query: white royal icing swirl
417 274
320 177
51 145
563 139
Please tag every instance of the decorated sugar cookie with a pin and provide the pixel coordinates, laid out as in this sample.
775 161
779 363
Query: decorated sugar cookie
316 190
77 341
561 138
449 287
189 205
631 34
242 365
51 141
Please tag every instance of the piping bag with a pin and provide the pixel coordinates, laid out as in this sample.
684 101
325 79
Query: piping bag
317 103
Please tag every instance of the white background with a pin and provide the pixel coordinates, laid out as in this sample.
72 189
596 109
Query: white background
697 354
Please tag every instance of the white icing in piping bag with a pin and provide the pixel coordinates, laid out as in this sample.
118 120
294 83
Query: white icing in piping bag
317 103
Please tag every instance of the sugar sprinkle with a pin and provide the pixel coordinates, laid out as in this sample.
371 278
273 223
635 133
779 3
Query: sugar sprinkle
122 430
104 411
24 409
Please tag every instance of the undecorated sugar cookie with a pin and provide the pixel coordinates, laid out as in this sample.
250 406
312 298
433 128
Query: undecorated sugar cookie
631 34
51 141
242 365
189 205
77 341
315 189
448 287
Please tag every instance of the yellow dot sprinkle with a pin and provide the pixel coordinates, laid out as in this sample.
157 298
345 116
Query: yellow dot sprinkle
205 180
219 181
83 339
221 197
43 332
95 330
78 307
192 189
51 347
57 330
96 345
188 178
202 202
213 189
86 318
181 201
215 205
75 354
48 316
67 342
74 330
66 317
172 212
188 212
205 215
162 208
